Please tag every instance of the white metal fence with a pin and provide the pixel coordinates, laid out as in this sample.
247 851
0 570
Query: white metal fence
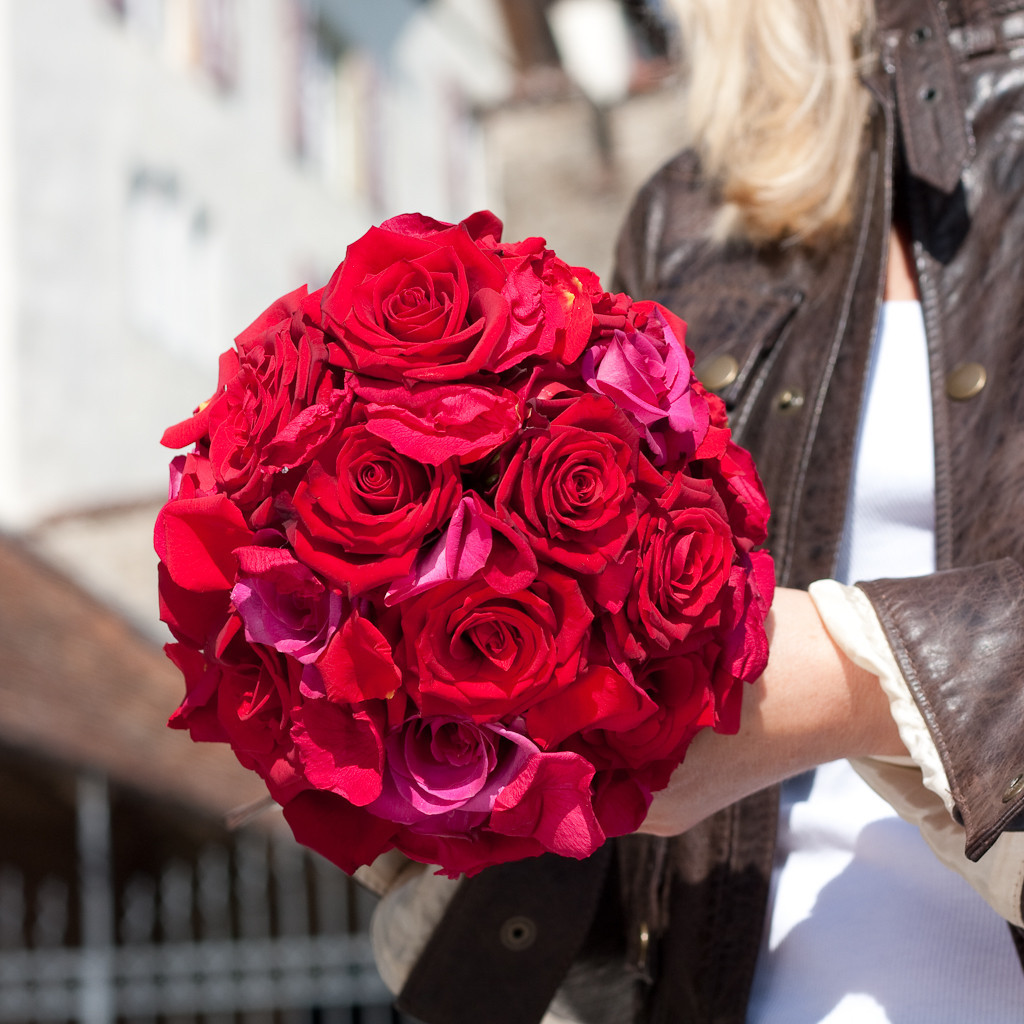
255 932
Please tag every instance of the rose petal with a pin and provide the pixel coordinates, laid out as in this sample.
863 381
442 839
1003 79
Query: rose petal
550 801
196 539
346 835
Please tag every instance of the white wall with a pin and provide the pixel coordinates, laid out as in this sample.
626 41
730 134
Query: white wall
10 460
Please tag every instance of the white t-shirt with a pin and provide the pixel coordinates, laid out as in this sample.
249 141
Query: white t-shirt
866 925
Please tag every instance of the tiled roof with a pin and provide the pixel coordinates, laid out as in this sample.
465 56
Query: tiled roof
79 685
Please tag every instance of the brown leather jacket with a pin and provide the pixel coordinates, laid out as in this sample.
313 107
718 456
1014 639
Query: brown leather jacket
784 334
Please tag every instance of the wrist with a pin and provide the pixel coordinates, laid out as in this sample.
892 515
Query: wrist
812 705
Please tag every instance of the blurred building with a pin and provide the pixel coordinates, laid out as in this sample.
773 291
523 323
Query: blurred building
168 168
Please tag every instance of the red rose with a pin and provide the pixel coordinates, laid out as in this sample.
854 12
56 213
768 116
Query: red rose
357 664
746 645
686 558
308 431
435 423
191 617
254 701
362 513
472 651
621 802
423 307
247 704
683 702
550 309
569 488
598 698
737 481
198 711
483 227
279 369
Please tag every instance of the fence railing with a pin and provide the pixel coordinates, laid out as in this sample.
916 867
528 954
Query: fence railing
256 930
311 973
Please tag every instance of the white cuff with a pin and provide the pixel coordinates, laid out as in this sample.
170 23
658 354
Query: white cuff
850 619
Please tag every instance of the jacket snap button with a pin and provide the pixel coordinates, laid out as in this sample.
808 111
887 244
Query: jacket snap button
717 372
789 400
1014 789
965 381
518 933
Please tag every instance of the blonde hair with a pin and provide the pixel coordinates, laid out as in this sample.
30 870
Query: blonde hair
775 109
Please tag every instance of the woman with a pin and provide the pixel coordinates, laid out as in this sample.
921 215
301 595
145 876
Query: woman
841 156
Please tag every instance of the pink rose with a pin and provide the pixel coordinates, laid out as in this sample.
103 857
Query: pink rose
645 369
476 541
283 604
445 773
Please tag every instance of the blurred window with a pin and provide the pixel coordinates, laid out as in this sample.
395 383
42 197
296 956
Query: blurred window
173 267
337 117
194 34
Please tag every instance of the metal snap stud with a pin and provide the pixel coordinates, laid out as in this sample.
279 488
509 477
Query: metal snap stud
921 35
789 400
518 933
965 381
1014 789
717 372
929 94
643 949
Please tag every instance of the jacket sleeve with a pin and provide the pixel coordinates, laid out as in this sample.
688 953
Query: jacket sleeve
958 637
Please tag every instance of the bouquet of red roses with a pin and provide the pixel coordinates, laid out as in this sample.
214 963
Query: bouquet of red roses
462 555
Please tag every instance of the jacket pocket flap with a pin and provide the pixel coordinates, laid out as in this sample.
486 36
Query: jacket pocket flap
732 331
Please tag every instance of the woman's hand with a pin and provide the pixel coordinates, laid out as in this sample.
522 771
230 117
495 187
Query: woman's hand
812 705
